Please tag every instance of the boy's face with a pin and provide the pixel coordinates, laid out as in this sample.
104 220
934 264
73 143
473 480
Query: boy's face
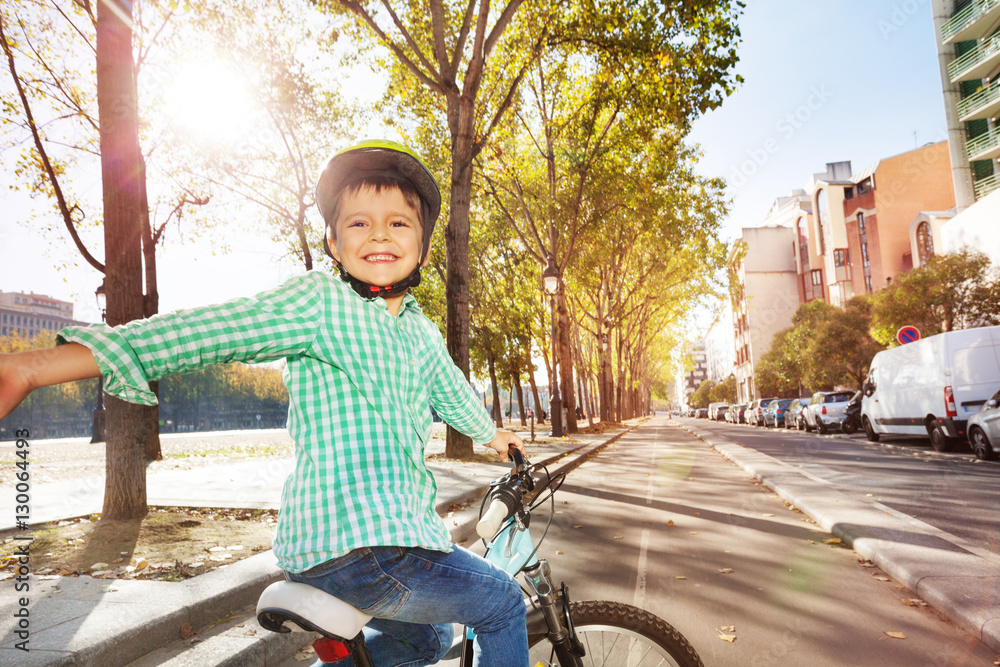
378 236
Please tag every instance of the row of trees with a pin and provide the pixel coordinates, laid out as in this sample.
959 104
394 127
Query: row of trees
189 402
714 392
828 347
558 125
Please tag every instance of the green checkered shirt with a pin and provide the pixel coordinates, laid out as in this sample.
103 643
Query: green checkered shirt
361 384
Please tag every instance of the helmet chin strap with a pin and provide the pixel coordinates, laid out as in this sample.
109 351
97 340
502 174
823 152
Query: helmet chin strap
369 291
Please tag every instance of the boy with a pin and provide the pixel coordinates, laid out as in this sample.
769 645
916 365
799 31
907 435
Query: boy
364 367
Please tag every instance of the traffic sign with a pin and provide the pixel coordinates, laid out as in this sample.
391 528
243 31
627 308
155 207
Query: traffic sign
907 334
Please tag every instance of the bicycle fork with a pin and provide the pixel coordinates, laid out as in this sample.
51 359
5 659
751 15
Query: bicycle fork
550 615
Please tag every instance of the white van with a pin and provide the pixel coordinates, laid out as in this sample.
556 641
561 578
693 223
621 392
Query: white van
932 387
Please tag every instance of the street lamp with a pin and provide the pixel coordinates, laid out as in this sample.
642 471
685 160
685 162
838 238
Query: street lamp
550 280
98 428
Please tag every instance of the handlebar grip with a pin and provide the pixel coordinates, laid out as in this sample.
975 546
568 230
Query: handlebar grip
491 521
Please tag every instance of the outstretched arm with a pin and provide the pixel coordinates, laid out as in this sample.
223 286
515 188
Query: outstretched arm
23 372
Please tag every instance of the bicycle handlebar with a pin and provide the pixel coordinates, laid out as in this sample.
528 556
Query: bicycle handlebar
507 494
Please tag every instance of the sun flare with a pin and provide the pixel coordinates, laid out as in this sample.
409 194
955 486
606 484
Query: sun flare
210 101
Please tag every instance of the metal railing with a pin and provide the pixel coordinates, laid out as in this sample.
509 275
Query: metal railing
966 17
984 186
980 98
974 147
980 54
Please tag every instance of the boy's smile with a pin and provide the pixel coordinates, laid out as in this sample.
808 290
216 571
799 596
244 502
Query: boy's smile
378 237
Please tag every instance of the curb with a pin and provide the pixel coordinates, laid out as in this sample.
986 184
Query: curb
956 582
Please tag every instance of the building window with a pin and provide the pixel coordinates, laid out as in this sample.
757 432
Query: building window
925 242
868 283
817 277
840 257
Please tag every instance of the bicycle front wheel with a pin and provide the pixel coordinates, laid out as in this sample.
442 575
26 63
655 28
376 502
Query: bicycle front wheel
619 635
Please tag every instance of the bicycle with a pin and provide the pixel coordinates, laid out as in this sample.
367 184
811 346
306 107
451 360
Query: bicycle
561 632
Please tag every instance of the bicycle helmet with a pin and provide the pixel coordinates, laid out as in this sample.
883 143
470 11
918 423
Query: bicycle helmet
370 158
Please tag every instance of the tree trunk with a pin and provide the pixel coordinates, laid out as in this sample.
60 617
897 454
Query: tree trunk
459 446
150 307
566 365
516 381
125 482
491 363
534 397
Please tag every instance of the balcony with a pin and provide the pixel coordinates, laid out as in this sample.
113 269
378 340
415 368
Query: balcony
985 146
984 186
984 103
974 22
978 64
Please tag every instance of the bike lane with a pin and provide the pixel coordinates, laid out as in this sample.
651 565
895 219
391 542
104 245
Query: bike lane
661 520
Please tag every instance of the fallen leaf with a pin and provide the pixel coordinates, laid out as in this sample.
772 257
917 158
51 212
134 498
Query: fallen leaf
187 631
726 628
559 553
692 532
578 526
618 537
679 576
99 566
767 514
881 578
832 540
913 602
727 638
896 635
725 570
670 523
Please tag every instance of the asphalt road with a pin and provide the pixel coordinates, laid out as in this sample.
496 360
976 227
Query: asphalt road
661 521
954 492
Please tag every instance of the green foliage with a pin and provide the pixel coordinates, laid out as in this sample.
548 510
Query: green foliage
954 291
724 392
825 347
702 395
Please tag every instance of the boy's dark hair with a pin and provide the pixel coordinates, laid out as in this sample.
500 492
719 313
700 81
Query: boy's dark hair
378 182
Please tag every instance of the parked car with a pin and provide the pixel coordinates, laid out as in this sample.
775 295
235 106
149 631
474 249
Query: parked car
751 412
740 415
933 386
720 413
774 413
758 416
713 411
826 410
984 429
701 413
793 414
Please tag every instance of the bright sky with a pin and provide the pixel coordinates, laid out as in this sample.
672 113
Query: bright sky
825 82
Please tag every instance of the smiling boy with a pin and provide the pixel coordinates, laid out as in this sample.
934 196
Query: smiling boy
364 367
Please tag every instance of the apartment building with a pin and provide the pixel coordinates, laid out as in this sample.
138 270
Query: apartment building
893 212
28 314
764 289
720 352
968 45
692 379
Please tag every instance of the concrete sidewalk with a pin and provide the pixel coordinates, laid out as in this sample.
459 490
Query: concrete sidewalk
959 580
87 621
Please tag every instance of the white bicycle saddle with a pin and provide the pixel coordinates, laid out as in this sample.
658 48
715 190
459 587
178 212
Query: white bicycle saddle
307 609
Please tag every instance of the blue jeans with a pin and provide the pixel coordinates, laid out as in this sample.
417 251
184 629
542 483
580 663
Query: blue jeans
414 595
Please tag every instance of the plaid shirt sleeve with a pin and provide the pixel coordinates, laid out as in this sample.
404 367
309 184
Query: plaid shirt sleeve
454 399
271 325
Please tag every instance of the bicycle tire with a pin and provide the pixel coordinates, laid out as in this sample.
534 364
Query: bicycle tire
619 635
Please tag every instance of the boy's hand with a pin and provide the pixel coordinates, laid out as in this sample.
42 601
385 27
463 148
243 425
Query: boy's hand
14 386
23 372
505 440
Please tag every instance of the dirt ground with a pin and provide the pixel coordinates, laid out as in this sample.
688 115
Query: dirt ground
169 544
